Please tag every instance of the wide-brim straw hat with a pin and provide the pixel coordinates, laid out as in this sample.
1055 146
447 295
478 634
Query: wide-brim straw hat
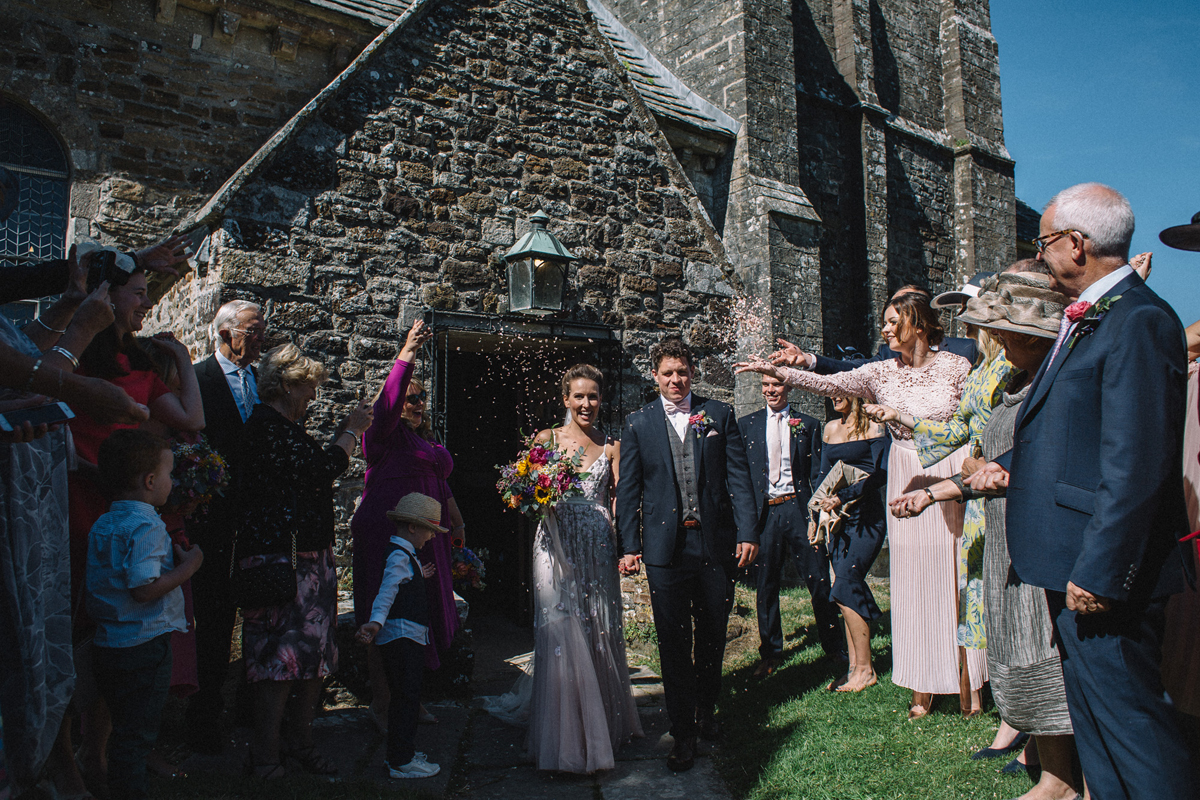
969 289
1021 302
1183 237
420 509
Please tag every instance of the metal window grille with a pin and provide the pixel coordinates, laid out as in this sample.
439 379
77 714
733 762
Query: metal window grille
36 230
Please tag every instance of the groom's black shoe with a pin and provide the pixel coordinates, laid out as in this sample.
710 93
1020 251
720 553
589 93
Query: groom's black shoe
683 754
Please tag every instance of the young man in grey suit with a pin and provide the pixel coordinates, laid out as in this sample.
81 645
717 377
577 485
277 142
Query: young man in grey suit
685 506
1095 495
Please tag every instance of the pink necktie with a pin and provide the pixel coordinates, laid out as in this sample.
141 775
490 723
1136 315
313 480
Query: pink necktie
1063 327
775 447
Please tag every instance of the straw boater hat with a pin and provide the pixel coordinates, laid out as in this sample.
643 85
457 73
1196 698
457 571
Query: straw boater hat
1183 237
958 297
1021 302
420 509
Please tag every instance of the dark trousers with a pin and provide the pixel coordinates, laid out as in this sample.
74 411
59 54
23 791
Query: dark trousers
214 612
697 593
403 666
134 682
1129 742
787 526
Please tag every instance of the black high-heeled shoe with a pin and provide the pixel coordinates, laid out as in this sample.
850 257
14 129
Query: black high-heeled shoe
996 752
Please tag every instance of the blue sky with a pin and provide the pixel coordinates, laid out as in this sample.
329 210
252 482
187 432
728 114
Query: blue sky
1109 91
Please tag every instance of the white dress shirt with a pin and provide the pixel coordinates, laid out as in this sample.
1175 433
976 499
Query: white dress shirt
396 571
235 376
779 434
678 417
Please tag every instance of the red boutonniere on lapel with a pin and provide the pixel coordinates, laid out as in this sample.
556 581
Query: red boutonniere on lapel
700 421
1087 316
795 425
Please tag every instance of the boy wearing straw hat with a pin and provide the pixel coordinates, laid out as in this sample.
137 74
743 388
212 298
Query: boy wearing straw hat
399 624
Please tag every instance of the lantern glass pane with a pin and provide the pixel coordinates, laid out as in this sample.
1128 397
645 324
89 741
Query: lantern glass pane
520 284
547 284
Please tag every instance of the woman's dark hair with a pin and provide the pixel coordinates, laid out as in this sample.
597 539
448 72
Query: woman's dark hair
99 360
125 455
163 359
578 371
916 314
671 347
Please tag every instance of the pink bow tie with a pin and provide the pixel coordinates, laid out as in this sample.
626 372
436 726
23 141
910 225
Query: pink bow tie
684 406
1076 310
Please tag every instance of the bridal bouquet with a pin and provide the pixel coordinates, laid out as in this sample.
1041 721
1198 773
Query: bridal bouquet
541 477
199 475
466 568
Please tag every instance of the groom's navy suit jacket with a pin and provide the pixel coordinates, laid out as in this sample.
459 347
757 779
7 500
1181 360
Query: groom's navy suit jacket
648 503
1095 494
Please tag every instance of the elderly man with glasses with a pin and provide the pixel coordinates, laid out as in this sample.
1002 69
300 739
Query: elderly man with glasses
228 387
1095 495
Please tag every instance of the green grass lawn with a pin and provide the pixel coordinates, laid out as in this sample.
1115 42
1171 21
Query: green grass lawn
789 737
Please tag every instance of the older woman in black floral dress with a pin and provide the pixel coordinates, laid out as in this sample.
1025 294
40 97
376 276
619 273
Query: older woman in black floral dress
289 480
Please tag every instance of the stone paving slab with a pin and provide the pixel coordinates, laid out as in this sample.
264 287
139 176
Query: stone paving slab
640 780
526 783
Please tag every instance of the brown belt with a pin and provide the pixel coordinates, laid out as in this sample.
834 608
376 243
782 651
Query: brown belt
691 523
783 498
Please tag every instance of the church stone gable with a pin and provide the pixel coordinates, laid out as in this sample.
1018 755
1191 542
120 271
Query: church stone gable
407 188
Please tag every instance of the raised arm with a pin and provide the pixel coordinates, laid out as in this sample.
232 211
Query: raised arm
390 404
856 383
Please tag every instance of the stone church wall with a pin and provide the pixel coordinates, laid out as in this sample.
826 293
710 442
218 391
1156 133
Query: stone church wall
156 114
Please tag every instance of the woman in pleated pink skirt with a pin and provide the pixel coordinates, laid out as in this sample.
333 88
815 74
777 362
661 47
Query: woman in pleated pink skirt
922 551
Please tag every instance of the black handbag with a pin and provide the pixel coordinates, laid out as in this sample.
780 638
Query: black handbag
264 585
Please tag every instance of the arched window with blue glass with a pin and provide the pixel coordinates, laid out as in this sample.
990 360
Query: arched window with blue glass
35 164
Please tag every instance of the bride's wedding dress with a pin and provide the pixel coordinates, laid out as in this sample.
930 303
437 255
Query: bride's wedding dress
575 695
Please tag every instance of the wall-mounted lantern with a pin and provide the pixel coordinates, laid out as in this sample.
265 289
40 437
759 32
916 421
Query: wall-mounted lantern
537 270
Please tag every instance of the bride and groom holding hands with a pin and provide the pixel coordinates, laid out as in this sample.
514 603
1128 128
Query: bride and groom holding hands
685 509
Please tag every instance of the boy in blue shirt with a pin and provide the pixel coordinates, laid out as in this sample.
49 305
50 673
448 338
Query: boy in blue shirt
399 625
133 595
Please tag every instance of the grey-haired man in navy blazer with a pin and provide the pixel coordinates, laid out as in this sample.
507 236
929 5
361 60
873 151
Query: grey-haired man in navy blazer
1095 496
685 506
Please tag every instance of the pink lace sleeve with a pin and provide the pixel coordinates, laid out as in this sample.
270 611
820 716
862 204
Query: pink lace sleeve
861 382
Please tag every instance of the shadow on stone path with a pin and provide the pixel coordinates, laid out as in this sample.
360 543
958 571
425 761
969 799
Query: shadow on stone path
482 757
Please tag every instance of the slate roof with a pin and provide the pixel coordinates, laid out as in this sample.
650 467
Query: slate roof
666 95
378 12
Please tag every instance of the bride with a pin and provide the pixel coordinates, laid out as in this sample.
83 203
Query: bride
575 697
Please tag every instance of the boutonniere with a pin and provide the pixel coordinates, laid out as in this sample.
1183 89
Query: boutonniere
700 421
1087 316
795 425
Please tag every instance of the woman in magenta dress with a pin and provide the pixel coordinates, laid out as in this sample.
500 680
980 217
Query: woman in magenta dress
401 459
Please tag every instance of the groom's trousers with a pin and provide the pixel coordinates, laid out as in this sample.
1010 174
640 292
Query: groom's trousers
694 592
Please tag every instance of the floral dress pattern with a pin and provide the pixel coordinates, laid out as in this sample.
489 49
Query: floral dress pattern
290 476
935 440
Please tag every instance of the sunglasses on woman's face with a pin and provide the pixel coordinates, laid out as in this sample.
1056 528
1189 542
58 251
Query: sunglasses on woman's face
413 399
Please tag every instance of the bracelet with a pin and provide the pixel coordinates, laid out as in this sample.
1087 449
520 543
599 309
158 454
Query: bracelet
932 499
462 527
65 353
38 320
33 374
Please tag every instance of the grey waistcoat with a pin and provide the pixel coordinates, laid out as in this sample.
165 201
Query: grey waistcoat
684 455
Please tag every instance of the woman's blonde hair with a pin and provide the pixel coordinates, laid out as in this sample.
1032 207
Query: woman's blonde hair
859 422
284 367
989 346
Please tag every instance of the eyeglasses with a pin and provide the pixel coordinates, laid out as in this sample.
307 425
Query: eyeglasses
413 399
1041 242
251 333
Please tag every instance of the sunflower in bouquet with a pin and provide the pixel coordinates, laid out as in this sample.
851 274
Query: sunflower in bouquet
540 477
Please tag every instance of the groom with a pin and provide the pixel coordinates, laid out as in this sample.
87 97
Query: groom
685 506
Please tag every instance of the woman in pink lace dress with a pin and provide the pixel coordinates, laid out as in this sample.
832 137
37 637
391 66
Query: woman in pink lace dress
923 553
